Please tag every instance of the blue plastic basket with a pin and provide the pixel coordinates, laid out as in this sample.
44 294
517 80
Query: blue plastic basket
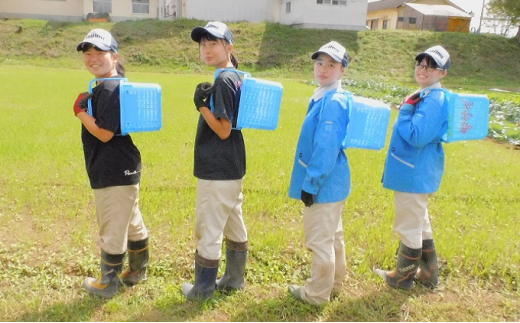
368 124
141 105
468 117
260 102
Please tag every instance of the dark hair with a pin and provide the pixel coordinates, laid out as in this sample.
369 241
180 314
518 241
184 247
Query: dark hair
210 37
430 62
120 69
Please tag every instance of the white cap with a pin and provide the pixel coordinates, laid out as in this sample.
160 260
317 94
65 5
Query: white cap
215 28
100 38
334 50
438 54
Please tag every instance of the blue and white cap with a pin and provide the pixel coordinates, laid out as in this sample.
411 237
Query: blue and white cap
334 50
100 38
215 28
438 54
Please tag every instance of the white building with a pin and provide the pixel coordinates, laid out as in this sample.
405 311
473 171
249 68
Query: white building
322 14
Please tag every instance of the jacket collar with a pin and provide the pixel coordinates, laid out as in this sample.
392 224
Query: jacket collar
320 92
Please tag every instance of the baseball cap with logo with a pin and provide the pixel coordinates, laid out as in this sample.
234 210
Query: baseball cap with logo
334 50
438 54
100 38
215 28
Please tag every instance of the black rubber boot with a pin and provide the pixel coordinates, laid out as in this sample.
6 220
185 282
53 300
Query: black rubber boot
138 255
428 273
106 285
407 264
234 276
205 276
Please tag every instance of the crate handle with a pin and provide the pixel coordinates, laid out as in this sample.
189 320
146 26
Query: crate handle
246 74
101 79
217 72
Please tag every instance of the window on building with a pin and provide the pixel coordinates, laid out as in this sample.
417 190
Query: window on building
400 19
140 6
288 7
412 20
385 24
102 6
332 2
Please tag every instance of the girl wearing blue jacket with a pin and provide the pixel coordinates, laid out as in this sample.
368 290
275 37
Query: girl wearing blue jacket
321 176
414 169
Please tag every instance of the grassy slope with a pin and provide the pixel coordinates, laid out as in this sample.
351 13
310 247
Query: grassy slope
479 61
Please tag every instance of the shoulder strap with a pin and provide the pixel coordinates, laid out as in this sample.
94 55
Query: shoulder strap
245 74
348 95
445 105
217 72
124 79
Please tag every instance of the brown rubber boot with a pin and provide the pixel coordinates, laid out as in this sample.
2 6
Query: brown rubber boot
407 263
428 273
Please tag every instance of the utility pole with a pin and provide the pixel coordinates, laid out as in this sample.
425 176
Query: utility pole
481 15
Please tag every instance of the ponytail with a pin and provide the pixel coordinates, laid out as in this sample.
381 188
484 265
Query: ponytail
234 61
120 69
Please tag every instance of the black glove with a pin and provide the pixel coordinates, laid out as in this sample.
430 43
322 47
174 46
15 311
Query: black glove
307 198
202 95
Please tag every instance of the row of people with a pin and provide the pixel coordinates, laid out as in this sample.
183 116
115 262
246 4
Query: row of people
320 177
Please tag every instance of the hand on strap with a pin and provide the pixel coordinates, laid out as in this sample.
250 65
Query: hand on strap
413 99
81 104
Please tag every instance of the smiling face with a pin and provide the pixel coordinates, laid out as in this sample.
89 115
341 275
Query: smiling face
215 52
100 63
426 73
327 70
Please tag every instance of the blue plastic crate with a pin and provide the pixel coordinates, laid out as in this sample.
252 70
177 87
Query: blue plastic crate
260 102
141 105
468 117
368 124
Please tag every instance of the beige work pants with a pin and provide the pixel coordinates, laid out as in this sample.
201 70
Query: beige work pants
218 213
119 218
412 222
323 230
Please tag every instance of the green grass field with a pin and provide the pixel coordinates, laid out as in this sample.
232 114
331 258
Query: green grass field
49 230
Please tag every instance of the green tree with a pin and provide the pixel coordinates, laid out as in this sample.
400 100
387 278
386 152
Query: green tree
509 9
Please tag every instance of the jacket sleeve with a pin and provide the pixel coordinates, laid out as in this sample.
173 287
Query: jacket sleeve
327 144
422 125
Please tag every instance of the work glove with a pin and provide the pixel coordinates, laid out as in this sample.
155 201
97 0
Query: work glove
307 198
202 95
81 104
413 99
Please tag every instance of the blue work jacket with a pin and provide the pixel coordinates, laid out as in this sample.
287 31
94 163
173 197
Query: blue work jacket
320 164
415 159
